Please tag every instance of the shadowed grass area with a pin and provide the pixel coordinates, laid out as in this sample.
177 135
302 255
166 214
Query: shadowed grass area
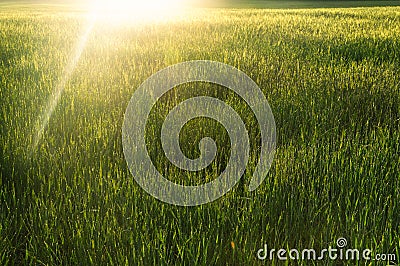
332 80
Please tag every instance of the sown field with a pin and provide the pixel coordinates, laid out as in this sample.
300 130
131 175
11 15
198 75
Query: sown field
331 77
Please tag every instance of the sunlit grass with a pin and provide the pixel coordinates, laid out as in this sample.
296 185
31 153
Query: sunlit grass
135 11
331 77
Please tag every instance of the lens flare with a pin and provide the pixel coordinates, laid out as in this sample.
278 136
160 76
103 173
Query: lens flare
135 10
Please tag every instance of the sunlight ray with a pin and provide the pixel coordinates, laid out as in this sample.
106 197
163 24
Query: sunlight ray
43 120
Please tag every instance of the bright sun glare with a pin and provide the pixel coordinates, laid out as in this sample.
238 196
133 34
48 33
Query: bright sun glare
136 10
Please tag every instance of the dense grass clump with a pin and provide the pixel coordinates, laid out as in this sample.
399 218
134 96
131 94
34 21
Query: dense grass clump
331 77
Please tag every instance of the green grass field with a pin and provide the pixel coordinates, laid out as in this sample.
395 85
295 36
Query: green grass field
331 77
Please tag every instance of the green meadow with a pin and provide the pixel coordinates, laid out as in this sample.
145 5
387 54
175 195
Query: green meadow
331 77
